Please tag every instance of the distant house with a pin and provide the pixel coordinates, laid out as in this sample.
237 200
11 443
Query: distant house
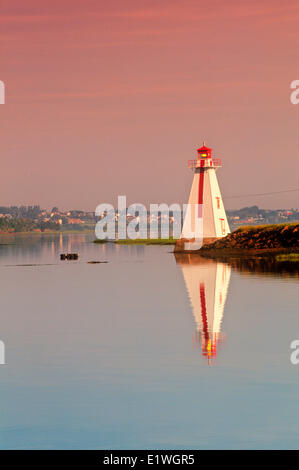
75 221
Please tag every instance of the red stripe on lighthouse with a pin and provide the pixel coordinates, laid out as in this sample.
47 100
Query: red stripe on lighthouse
201 180
200 189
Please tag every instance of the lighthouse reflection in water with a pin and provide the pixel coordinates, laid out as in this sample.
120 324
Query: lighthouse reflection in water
207 285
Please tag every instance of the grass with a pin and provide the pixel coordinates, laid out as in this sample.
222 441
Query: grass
256 228
147 241
288 257
142 241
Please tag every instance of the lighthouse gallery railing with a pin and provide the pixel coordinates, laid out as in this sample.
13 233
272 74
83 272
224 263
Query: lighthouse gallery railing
214 163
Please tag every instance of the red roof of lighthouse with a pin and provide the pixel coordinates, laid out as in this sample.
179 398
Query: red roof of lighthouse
204 149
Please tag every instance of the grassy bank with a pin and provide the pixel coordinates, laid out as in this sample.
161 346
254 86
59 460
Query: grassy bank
288 257
142 241
265 228
147 241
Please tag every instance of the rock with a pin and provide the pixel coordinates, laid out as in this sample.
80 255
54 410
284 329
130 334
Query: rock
264 237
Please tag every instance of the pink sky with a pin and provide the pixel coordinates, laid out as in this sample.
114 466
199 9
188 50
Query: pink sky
106 98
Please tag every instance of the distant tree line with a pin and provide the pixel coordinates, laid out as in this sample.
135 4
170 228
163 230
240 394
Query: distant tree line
22 212
26 225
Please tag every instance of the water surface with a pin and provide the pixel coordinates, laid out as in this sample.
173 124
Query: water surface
146 351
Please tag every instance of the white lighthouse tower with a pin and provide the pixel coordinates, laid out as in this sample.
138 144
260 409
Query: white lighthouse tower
205 217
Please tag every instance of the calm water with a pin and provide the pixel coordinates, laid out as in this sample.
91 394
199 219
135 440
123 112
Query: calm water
146 351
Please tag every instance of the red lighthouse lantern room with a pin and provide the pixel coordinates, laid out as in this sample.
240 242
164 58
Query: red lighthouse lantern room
204 152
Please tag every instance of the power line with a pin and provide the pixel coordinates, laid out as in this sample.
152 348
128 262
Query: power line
261 194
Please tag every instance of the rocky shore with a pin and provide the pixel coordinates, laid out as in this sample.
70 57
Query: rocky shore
256 240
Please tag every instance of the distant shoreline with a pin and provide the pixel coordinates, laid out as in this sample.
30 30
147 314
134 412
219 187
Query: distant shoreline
49 232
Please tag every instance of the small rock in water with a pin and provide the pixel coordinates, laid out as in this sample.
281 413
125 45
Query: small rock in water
96 262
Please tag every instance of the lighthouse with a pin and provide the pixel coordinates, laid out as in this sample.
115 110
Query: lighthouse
205 218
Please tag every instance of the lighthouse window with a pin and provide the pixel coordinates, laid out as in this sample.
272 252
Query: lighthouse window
218 202
222 226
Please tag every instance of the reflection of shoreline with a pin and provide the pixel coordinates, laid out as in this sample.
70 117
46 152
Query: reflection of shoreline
248 265
207 284
31 247
265 267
